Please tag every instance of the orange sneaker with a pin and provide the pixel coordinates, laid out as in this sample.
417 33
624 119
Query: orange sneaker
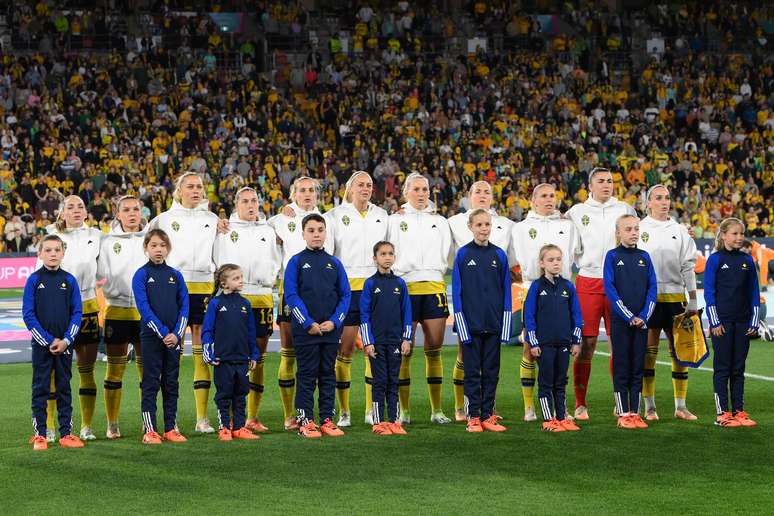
552 426
39 442
224 434
491 424
70 441
397 429
256 426
382 429
627 422
309 430
244 433
474 425
174 436
330 429
151 438
569 425
727 419
638 422
744 419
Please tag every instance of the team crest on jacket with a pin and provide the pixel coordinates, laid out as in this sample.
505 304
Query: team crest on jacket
396 290
744 265
403 226
329 265
345 220
565 293
494 263
585 220
244 309
532 233
641 263
116 248
291 226
175 226
171 279
63 286
234 236
645 237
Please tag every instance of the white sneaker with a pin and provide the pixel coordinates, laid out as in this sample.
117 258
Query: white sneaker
51 436
344 420
529 414
113 432
87 434
369 418
439 418
203 427
405 418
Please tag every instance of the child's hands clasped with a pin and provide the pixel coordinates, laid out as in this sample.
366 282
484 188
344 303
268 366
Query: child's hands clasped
58 347
170 340
639 323
327 326
314 329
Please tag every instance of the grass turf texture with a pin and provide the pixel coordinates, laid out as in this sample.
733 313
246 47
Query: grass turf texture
673 467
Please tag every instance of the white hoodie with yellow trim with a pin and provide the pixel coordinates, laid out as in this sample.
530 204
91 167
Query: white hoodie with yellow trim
192 232
500 235
289 231
82 247
673 253
120 256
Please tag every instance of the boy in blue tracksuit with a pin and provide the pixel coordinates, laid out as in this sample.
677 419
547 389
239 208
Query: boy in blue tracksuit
228 343
481 292
317 293
733 302
553 323
630 285
51 309
385 326
162 300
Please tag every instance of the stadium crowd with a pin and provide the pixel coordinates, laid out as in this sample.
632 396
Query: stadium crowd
698 117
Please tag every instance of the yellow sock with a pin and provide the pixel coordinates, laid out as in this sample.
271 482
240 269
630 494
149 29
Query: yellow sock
434 374
51 412
138 361
679 383
369 380
287 380
201 383
527 373
649 373
404 384
256 389
113 385
458 377
343 381
87 394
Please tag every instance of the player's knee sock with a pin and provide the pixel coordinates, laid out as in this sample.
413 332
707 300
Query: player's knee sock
369 380
287 380
113 385
51 406
679 384
649 378
527 373
458 377
434 374
581 372
343 381
256 388
404 384
87 394
201 383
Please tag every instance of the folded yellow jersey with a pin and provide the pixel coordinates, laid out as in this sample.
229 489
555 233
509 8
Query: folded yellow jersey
690 344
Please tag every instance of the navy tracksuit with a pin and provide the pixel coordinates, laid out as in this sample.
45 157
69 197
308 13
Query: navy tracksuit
228 336
733 300
481 293
553 322
51 309
316 290
631 286
162 300
385 322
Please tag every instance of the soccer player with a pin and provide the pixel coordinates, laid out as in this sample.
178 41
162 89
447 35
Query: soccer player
543 225
317 293
229 344
553 323
252 243
595 221
51 309
162 300
304 192
732 298
481 290
422 241
631 286
385 311
121 255
480 197
81 247
673 253
357 225
192 229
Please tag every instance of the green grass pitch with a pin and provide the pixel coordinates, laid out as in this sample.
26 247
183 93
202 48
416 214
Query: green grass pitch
673 467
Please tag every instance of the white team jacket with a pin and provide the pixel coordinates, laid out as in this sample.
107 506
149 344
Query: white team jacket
80 258
288 230
422 241
595 223
534 232
253 246
192 232
500 235
119 258
673 253
355 236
